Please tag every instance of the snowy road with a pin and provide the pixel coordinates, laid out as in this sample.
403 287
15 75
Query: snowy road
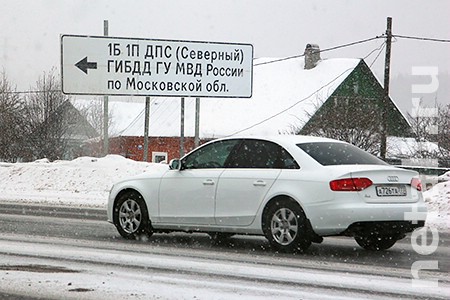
82 257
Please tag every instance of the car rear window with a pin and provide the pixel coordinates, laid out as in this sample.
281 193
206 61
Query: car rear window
329 154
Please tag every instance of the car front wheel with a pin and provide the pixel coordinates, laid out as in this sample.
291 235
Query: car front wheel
375 243
131 217
284 225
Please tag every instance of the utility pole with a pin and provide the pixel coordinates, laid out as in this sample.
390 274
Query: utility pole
385 102
197 123
146 127
105 105
182 129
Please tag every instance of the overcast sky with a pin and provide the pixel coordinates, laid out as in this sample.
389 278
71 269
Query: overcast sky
30 29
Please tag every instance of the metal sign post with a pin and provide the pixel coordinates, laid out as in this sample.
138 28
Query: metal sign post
105 100
197 123
146 127
182 128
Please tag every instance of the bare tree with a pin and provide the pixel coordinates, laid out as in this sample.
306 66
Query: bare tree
432 124
46 128
352 119
93 112
11 121
443 136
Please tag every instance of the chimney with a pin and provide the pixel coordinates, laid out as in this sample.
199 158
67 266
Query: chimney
312 56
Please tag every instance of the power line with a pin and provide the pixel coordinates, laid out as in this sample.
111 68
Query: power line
258 64
353 43
312 94
379 48
300 55
137 118
356 43
324 50
167 113
421 38
31 92
378 55
274 61
295 104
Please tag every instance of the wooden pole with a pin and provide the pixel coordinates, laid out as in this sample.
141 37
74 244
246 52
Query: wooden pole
385 102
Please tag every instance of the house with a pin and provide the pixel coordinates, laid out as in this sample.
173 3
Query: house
126 128
161 149
357 100
62 134
289 96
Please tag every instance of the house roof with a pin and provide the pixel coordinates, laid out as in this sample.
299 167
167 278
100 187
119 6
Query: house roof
73 124
283 94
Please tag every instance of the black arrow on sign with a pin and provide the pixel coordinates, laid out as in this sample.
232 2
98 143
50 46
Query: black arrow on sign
84 65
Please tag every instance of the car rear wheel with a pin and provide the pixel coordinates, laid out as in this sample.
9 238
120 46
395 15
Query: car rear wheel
131 217
284 225
375 242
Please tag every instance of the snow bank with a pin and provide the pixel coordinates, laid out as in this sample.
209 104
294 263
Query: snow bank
403 147
438 203
86 181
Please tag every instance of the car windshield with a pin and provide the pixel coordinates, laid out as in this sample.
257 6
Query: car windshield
329 154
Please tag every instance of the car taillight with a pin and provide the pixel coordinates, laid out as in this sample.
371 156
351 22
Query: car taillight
416 183
350 184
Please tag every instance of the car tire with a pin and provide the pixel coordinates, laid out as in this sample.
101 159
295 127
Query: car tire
375 242
285 226
131 217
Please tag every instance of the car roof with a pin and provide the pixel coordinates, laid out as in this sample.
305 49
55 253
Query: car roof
287 139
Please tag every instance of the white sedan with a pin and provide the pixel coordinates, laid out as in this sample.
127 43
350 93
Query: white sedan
294 190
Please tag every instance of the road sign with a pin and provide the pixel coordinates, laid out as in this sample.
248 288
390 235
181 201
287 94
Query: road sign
100 65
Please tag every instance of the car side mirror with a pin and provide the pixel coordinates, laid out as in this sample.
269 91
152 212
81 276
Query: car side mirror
175 164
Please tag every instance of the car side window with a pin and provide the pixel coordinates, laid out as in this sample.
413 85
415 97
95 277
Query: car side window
210 156
287 161
261 155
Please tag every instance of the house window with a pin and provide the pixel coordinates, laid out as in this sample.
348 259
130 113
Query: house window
355 88
158 157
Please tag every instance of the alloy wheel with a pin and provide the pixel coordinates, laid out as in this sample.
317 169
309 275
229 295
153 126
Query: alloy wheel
284 226
130 216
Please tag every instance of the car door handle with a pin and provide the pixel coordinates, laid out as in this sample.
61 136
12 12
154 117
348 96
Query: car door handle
208 182
259 183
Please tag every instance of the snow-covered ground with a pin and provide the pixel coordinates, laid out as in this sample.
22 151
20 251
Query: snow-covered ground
438 201
85 182
82 182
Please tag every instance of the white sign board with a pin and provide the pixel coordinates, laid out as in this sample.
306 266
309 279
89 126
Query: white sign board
98 65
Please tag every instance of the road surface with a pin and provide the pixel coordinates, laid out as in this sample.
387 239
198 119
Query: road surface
71 253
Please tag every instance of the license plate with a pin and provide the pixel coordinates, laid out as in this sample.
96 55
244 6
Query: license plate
391 190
